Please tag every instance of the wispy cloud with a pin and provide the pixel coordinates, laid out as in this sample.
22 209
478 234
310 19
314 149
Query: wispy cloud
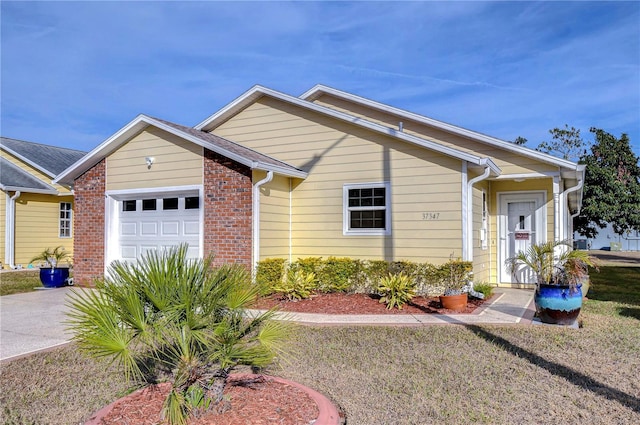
73 73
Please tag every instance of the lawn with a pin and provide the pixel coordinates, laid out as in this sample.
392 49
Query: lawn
16 282
448 374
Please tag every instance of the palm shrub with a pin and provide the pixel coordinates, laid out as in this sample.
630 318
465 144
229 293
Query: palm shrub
297 285
396 290
178 319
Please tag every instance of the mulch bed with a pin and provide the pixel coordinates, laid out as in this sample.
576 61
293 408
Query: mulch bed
252 402
339 303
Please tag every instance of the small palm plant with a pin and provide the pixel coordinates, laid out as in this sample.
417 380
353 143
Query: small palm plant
52 257
168 317
553 262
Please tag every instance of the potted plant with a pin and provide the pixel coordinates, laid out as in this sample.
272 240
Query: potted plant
52 275
456 279
559 272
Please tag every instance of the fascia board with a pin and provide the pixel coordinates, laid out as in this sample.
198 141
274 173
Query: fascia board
28 161
257 91
28 190
280 170
521 150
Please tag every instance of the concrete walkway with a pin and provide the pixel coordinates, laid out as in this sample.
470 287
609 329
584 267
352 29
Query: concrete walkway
34 321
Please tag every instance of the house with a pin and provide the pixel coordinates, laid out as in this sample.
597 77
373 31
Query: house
325 174
37 213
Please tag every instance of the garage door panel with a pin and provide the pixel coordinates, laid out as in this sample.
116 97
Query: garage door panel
128 252
149 228
170 228
128 229
191 228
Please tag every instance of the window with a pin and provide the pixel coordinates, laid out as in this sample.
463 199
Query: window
129 205
484 231
148 205
65 219
170 204
367 209
191 203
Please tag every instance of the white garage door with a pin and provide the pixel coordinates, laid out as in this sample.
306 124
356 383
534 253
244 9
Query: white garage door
158 223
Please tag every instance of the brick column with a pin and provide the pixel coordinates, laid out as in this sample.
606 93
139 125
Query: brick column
89 225
227 210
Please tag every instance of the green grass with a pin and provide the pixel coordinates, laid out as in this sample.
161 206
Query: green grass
619 284
17 282
448 374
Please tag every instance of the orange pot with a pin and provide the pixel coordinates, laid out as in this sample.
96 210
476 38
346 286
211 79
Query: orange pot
454 302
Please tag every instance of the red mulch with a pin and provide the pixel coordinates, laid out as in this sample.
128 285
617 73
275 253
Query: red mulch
252 402
339 303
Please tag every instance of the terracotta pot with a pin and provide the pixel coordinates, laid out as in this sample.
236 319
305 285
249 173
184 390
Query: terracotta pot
454 302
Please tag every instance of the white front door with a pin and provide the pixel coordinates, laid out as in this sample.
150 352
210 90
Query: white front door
522 223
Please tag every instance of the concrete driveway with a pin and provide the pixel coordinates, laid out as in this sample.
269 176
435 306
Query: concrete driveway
32 321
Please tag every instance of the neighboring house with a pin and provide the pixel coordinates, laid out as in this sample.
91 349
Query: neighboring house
37 213
608 239
324 174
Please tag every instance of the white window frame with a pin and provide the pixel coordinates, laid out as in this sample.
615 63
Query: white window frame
65 220
484 230
346 222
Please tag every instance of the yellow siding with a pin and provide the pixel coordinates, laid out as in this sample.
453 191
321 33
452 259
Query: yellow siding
34 172
37 226
481 257
274 216
335 153
3 202
510 163
177 162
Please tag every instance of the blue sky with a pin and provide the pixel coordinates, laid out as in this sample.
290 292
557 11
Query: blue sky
73 73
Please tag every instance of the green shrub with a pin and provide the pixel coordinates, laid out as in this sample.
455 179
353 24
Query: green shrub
309 265
298 285
485 288
167 315
396 290
336 273
269 273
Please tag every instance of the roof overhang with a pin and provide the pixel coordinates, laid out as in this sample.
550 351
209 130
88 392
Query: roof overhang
28 190
136 126
256 92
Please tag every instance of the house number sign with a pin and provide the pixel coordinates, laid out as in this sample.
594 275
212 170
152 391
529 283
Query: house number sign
522 236
430 215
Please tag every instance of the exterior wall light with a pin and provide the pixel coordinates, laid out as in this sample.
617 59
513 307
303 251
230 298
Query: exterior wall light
149 160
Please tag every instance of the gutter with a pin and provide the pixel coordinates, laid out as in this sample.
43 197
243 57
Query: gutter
10 230
467 248
256 217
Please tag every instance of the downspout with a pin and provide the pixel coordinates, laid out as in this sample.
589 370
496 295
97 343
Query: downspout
256 217
469 229
10 235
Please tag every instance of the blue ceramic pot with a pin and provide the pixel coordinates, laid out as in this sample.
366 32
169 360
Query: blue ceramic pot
54 277
558 304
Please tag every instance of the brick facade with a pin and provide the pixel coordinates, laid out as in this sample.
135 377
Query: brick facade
88 225
227 210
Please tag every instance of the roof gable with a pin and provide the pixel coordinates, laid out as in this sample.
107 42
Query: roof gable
50 160
319 90
212 142
255 93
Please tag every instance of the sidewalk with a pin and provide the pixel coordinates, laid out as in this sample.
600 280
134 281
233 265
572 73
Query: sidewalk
34 321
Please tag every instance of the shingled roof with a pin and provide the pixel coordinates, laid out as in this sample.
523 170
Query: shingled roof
13 177
51 160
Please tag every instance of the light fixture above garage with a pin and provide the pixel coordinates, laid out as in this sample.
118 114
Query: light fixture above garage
150 160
